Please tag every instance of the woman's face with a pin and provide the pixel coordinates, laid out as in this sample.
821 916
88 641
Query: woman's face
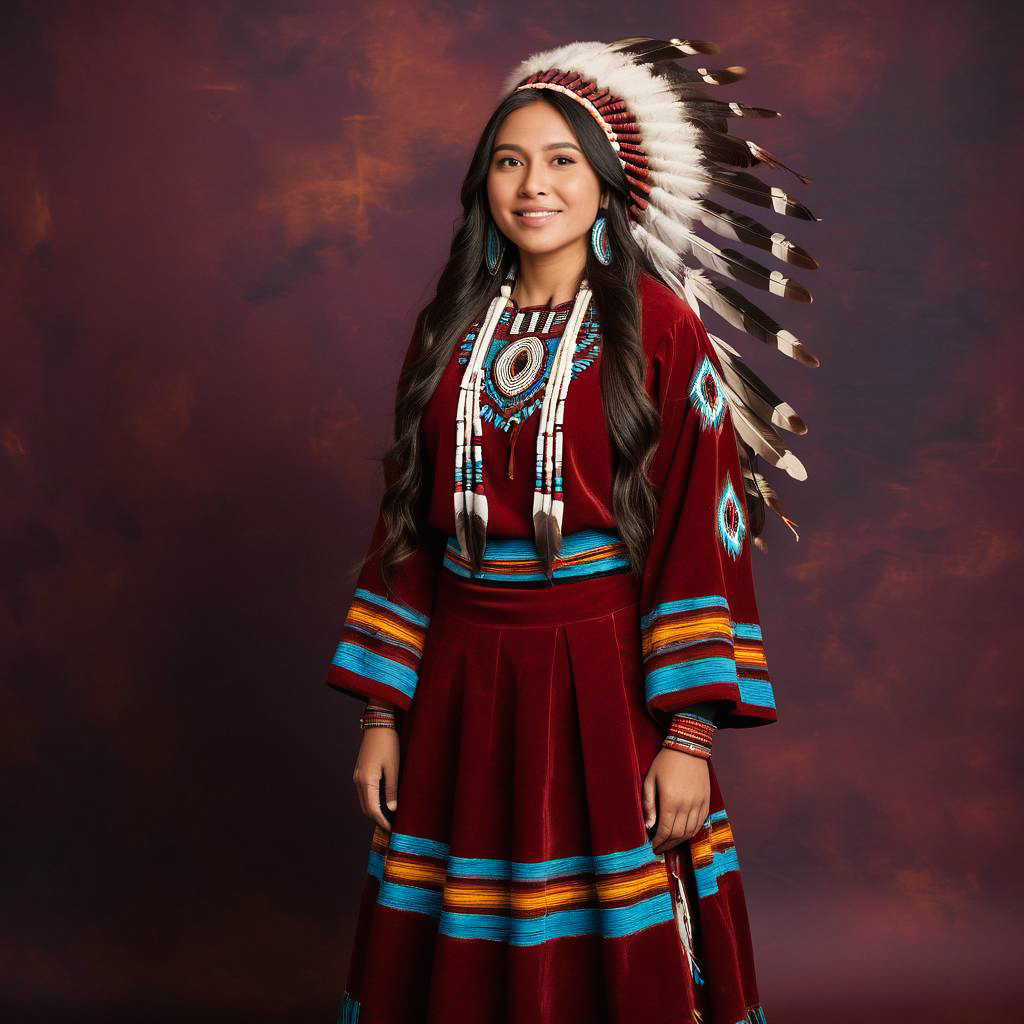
537 163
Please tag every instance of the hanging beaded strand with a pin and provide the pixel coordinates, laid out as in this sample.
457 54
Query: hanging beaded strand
470 497
548 495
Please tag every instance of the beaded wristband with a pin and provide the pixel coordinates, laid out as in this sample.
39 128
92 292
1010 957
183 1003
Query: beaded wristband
374 716
690 734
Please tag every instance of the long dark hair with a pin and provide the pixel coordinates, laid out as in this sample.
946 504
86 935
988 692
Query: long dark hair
464 289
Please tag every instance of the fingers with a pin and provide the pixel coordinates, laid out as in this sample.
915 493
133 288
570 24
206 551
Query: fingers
679 823
695 819
373 803
692 825
391 786
665 834
648 800
376 775
702 816
368 793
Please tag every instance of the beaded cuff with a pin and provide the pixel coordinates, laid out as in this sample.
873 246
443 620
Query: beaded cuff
377 715
689 733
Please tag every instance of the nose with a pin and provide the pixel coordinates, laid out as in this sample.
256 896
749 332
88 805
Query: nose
534 179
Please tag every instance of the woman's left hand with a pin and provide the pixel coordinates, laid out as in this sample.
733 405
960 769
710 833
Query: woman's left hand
682 785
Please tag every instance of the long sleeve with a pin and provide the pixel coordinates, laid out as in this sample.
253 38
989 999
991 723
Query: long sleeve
700 631
708 710
384 633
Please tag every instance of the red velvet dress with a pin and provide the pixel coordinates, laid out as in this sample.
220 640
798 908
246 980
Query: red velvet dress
518 883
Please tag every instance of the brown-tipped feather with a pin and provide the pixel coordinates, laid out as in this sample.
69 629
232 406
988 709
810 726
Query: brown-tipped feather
741 228
751 189
689 83
741 268
721 147
771 499
477 542
650 49
755 503
547 540
773 161
738 310
758 396
713 110
733 151
722 76
460 530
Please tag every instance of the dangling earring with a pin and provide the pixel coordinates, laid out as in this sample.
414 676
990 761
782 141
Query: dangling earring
599 241
494 248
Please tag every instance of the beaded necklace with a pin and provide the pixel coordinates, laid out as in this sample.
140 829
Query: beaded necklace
470 495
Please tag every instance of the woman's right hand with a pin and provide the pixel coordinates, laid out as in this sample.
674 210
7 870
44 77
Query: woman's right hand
378 758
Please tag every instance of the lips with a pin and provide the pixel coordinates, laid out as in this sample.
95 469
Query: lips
536 216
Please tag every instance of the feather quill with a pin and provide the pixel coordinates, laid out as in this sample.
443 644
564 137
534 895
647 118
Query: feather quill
772 501
713 110
740 268
742 314
687 83
677 237
742 185
755 503
741 228
763 440
760 398
646 49
738 152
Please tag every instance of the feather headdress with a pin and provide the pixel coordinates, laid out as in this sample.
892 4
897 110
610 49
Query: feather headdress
672 139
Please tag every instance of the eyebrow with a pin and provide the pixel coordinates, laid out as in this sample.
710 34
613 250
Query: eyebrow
550 145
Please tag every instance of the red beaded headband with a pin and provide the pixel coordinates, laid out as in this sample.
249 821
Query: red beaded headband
615 120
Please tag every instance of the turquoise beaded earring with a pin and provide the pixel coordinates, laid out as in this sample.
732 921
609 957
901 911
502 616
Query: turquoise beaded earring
494 248
599 241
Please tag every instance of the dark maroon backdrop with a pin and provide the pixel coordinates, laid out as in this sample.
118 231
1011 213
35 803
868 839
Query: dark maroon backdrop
217 220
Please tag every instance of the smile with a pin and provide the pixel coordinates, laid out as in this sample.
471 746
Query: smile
537 217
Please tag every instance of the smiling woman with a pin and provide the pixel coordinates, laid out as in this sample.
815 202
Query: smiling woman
544 197
546 656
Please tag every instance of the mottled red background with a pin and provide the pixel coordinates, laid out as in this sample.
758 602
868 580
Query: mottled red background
217 221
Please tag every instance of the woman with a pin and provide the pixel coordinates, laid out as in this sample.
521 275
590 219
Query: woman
548 655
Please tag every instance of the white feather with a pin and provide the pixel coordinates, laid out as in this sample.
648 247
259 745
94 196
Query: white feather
670 139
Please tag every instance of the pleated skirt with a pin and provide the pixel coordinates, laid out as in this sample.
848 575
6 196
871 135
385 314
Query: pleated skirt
518 884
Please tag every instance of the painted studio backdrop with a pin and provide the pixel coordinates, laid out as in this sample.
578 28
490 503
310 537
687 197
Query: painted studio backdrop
217 221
